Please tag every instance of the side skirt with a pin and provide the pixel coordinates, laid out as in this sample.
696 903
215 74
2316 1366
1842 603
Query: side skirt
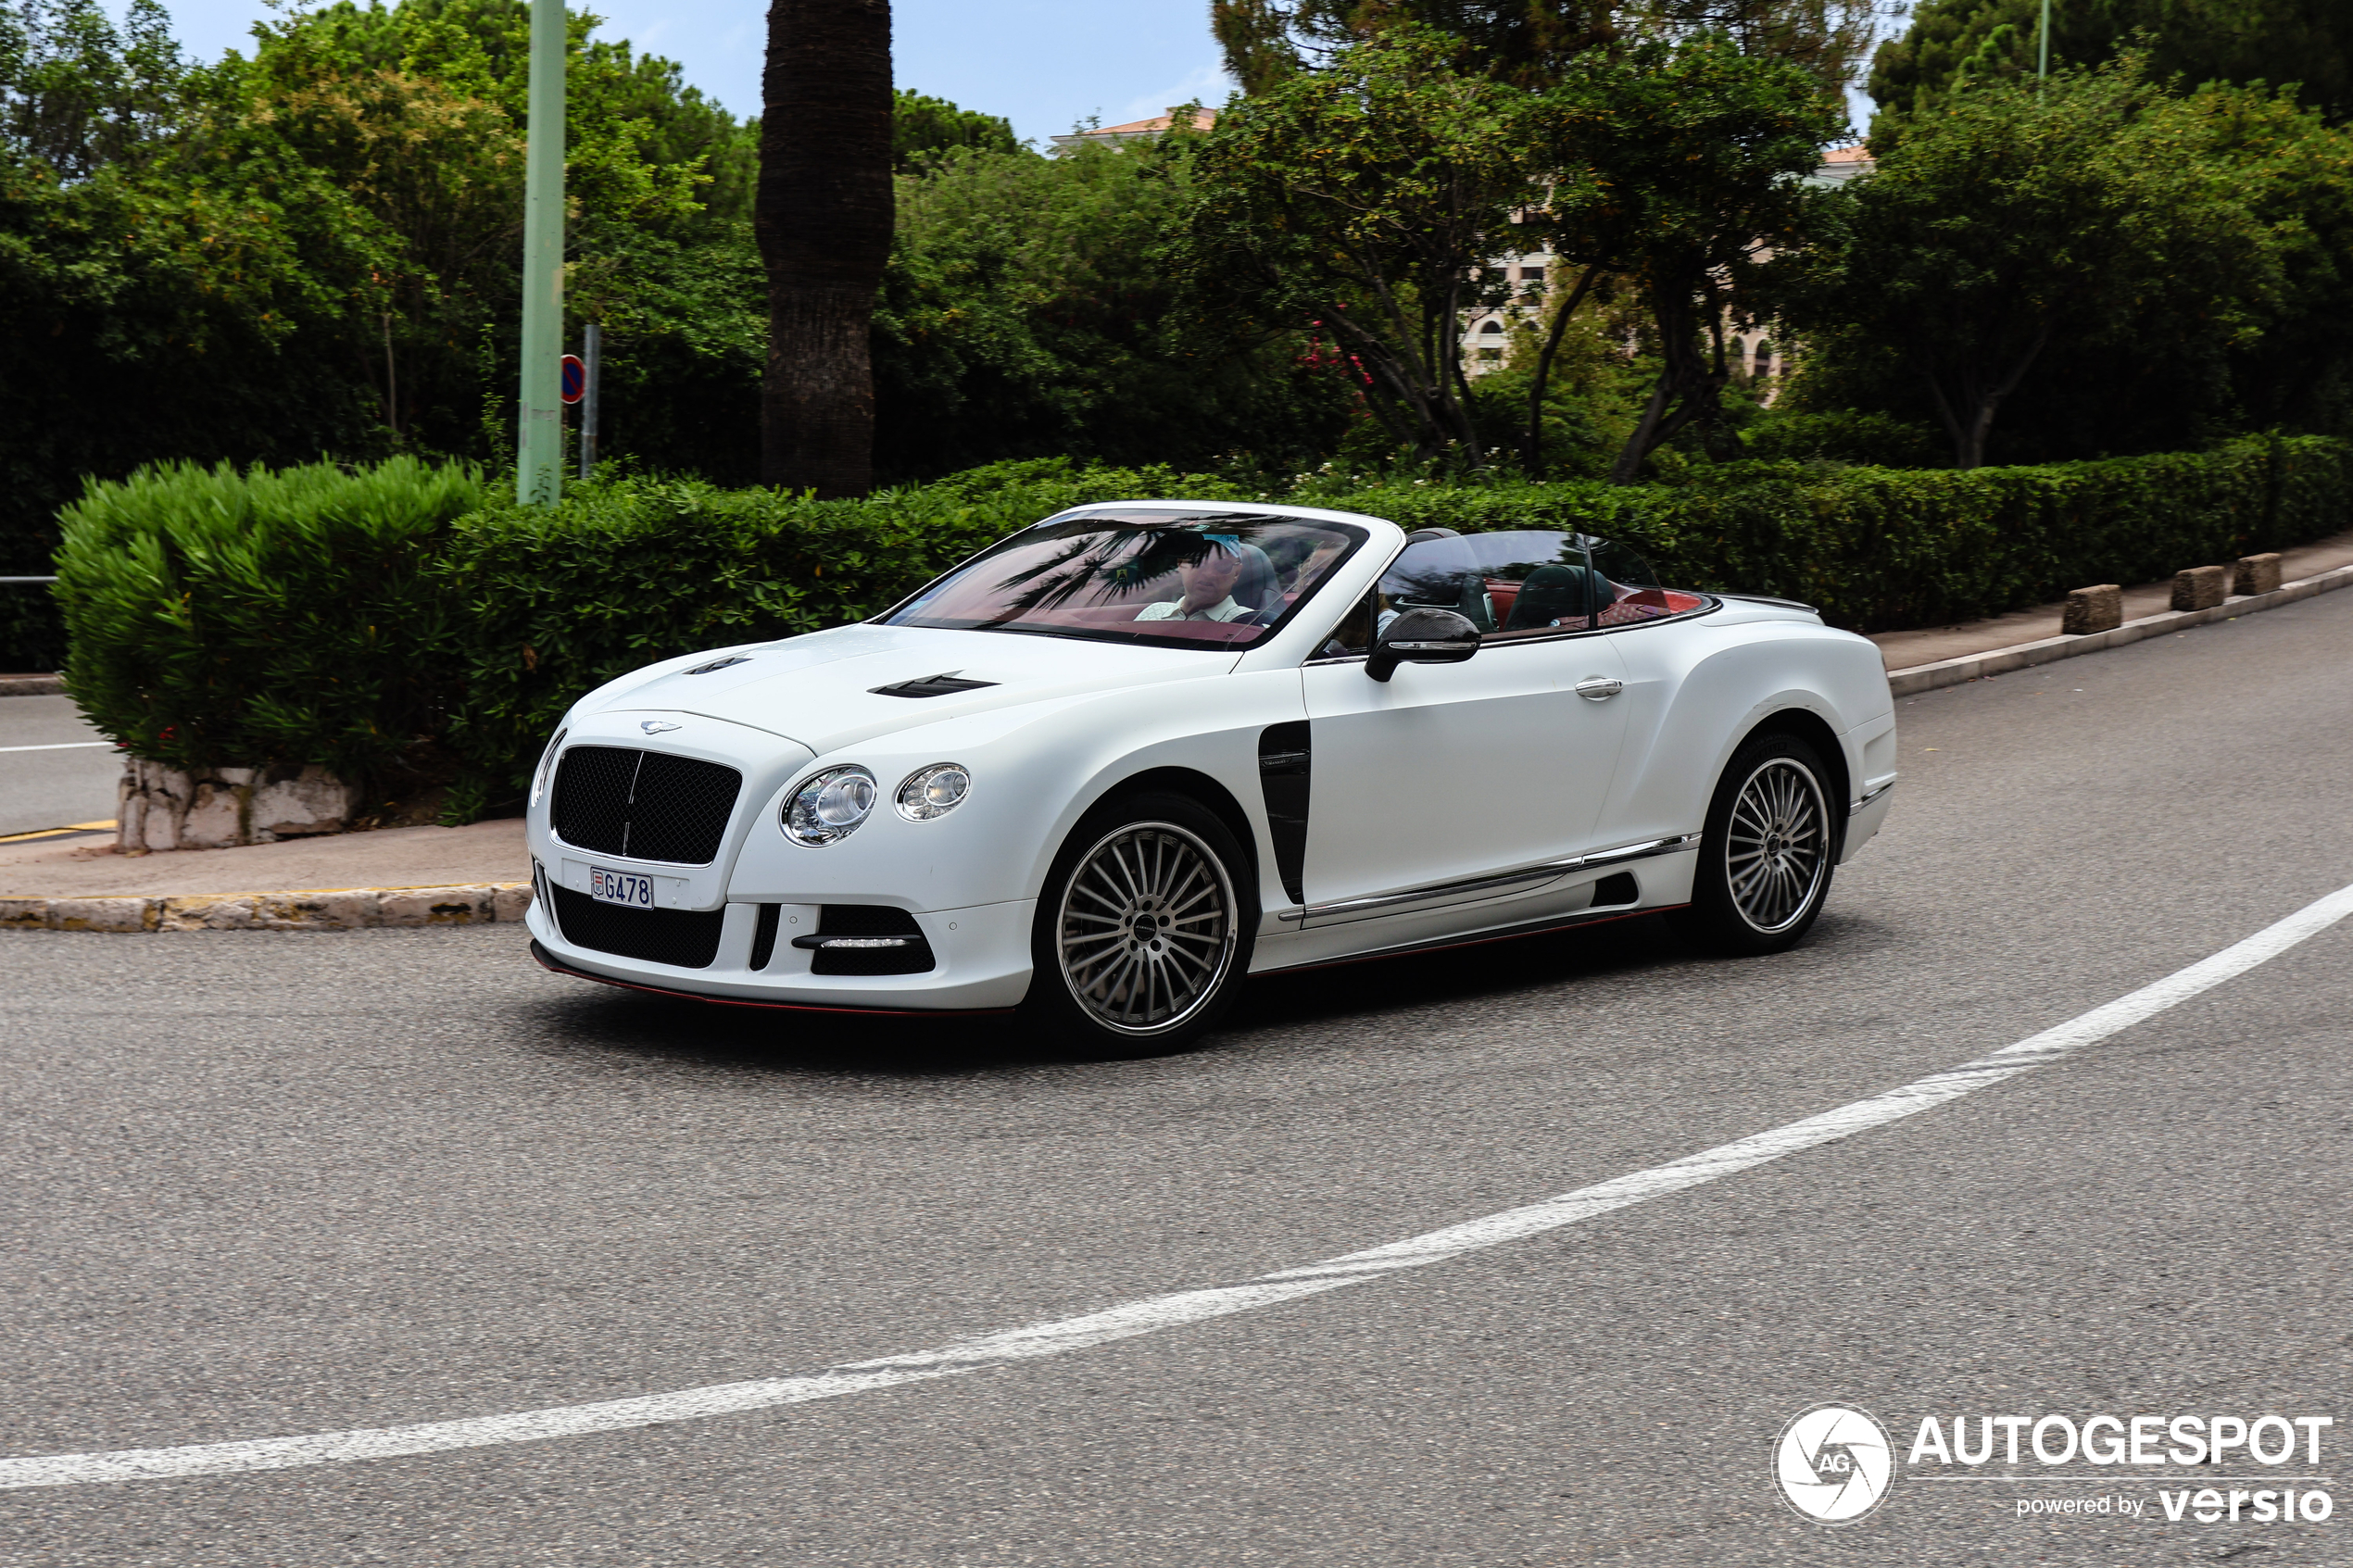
1504 934
550 962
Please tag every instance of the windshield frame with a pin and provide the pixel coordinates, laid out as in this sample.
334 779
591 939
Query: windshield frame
1142 514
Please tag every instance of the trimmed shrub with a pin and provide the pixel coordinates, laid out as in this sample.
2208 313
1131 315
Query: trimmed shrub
1848 436
222 619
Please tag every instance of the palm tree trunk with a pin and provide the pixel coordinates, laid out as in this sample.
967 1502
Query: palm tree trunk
823 213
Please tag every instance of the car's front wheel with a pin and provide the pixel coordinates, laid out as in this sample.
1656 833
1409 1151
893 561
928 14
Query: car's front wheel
1144 928
1766 855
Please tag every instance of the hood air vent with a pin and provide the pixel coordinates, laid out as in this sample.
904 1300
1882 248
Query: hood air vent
946 685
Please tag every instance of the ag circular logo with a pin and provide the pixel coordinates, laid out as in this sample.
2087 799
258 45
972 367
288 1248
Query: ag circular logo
1833 1464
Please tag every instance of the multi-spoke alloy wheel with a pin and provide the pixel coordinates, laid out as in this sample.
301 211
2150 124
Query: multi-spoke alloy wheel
1775 846
1766 853
1144 926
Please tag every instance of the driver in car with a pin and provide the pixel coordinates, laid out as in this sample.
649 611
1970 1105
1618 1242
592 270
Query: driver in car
1209 590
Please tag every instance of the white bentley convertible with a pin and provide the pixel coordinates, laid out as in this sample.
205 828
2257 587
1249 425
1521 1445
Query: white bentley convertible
1110 766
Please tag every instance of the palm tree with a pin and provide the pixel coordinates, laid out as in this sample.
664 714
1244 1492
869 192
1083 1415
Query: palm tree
823 214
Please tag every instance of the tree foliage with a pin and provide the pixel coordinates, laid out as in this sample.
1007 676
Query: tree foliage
1676 167
2144 269
2271 41
158 297
312 249
1531 43
921 126
77 93
1372 198
1028 313
1362 200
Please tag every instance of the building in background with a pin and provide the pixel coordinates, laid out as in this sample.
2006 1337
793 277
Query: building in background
1139 129
1487 335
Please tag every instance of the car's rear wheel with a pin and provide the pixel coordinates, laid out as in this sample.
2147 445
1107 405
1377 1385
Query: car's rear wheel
1144 928
1765 857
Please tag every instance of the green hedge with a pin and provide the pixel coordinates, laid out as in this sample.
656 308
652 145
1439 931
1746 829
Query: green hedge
1877 549
240 619
361 621
1880 549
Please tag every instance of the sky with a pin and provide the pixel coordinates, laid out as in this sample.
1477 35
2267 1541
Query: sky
1046 65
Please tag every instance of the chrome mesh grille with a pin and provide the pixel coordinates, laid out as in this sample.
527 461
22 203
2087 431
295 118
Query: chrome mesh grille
642 805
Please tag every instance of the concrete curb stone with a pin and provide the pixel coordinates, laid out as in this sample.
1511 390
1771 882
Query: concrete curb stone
34 686
2024 656
324 909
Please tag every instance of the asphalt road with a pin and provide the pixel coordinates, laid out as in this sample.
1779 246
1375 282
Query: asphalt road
47 787
267 1184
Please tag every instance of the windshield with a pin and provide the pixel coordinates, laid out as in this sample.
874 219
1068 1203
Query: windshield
1172 579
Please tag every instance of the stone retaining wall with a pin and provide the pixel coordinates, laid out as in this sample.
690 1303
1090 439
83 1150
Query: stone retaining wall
161 807
330 908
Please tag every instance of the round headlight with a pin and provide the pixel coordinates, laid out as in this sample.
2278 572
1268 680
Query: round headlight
933 791
829 806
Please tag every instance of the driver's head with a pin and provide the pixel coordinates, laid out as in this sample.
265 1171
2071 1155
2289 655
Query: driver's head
1211 579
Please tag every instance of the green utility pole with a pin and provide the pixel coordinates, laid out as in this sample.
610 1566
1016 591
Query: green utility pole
2043 67
539 453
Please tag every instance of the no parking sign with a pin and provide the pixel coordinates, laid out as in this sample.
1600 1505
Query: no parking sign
576 378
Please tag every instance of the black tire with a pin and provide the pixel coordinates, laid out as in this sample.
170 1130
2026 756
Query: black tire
1144 929
1768 853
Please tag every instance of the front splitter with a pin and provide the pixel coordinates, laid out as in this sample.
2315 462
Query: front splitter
549 961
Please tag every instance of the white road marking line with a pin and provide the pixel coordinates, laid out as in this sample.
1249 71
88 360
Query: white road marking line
1158 1312
61 745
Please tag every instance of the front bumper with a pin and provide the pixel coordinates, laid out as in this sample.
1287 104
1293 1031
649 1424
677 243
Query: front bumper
981 963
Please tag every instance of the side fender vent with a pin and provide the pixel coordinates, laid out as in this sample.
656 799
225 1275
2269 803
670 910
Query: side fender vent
1286 766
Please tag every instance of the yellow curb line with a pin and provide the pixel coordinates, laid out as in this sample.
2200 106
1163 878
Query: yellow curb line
55 832
312 908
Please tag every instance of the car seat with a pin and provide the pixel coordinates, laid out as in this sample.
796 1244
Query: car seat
1259 585
1473 604
1557 592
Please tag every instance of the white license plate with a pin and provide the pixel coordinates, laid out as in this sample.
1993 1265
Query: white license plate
621 887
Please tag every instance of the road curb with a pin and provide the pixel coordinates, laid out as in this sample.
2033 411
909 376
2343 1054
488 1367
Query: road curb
317 908
2023 656
34 686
